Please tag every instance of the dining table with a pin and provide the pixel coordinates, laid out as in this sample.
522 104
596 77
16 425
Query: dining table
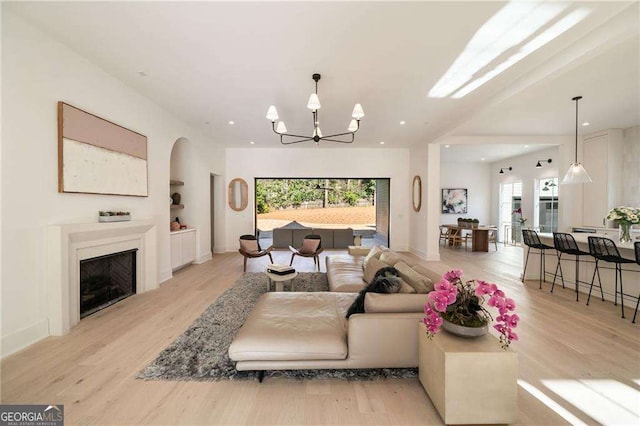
479 235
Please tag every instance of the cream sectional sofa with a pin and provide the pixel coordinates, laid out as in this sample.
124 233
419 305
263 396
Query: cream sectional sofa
309 330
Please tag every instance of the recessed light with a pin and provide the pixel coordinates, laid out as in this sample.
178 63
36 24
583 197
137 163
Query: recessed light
482 159
381 143
526 146
402 122
232 122
447 146
142 74
586 123
251 142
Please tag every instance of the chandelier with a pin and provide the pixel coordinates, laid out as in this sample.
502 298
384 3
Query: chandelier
314 106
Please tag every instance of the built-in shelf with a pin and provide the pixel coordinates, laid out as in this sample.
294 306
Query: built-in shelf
177 206
176 182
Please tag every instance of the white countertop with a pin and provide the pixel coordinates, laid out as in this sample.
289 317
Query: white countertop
583 238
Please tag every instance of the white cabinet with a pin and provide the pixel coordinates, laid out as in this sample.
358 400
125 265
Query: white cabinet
183 248
602 159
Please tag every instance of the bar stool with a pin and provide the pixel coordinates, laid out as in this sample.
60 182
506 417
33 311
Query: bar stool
606 250
532 241
566 244
636 247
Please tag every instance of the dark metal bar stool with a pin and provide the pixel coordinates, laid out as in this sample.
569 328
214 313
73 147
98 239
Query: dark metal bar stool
636 246
566 244
606 250
532 241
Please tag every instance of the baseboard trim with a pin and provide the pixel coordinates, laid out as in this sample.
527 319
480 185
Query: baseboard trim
204 258
27 336
165 276
421 254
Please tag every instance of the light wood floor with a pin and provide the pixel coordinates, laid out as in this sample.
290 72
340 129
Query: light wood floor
576 363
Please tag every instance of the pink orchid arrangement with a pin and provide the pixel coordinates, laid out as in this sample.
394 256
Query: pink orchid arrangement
461 303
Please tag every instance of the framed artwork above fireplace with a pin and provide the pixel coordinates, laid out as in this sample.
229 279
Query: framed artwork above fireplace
96 156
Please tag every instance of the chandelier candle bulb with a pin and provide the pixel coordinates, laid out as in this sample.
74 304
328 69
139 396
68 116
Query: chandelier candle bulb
281 128
272 113
358 112
353 126
314 102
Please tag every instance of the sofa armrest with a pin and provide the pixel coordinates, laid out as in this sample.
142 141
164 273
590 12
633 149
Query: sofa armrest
384 340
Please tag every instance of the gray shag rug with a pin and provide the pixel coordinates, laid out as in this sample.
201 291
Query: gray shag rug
201 352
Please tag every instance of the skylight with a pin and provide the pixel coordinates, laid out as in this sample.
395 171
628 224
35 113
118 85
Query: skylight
517 27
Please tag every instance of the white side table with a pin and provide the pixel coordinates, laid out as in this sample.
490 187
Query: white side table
469 380
358 250
279 280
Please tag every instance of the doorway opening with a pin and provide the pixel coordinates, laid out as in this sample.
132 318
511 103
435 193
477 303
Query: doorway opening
361 204
510 218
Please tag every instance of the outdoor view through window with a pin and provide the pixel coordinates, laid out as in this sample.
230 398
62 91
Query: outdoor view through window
318 203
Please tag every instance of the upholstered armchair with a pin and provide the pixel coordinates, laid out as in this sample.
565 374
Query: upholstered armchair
311 247
250 248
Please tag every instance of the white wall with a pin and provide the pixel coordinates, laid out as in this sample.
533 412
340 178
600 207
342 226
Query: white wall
476 177
249 163
37 72
631 167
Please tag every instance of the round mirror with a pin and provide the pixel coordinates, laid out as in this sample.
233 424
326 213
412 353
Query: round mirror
416 195
238 194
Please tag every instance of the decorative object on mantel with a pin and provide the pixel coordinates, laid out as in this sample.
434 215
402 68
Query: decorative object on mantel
576 173
96 156
624 217
113 216
502 169
539 165
522 220
454 200
461 304
314 106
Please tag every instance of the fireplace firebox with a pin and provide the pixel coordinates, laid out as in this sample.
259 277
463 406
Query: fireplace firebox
105 280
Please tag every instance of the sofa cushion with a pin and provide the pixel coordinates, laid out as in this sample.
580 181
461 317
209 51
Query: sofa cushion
406 288
432 275
390 257
374 253
344 273
294 326
419 282
342 238
390 303
373 266
326 235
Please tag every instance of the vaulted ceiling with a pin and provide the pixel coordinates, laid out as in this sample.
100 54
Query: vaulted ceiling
215 62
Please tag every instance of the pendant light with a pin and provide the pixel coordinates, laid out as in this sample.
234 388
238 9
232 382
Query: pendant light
576 173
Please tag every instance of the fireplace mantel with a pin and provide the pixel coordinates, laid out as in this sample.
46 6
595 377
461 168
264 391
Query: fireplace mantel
70 243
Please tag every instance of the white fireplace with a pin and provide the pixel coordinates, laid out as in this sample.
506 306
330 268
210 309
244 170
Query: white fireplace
69 244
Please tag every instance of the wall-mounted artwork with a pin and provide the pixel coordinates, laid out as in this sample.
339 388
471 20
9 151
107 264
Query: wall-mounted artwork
96 156
454 200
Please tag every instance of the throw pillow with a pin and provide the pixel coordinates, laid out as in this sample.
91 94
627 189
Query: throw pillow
373 266
309 246
405 288
390 257
374 253
249 246
420 283
386 281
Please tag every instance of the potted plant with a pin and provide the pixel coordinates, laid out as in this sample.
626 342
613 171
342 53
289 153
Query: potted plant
458 307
